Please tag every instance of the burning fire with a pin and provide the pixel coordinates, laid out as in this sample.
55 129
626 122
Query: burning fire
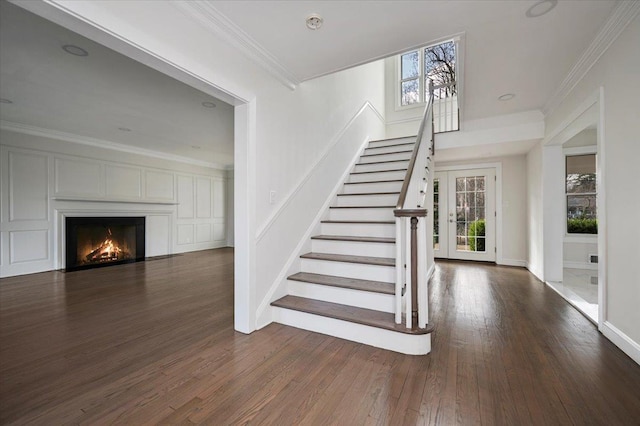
107 251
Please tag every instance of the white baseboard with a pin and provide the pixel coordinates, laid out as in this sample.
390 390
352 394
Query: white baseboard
621 340
513 262
580 265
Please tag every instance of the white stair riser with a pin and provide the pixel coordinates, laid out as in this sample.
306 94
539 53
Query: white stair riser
385 157
361 214
349 270
372 187
393 148
367 200
343 296
410 344
390 142
370 177
380 166
359 230
354 248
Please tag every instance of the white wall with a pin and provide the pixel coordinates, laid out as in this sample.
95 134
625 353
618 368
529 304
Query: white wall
617 73
514 201
535 249
303 157
44 180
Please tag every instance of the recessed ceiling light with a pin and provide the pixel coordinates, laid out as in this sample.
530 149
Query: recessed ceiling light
540 8
506 97
75 50
5 101
314 21
208 104
124 129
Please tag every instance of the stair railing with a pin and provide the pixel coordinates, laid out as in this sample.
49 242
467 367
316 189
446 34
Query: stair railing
411 230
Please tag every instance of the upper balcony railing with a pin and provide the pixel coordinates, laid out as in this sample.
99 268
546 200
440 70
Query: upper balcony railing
446 116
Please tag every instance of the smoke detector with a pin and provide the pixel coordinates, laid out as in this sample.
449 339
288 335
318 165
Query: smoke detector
314 21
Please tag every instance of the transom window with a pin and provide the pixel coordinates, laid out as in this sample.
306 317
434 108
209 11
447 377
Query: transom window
436 63
581 194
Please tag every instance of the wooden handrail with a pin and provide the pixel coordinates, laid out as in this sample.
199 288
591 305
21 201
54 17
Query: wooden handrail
416 148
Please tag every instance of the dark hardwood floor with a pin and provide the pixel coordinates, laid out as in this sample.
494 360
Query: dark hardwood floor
153 343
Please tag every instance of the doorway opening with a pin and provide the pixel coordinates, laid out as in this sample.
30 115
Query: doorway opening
464 221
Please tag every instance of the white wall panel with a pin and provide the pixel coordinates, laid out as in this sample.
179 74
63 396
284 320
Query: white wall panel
203 198
185 197
78 178
203 232
159 185
219 204
158 235
28 246
185 234
28 187
123 182
219 232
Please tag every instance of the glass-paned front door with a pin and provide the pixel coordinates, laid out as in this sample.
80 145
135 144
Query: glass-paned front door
464 214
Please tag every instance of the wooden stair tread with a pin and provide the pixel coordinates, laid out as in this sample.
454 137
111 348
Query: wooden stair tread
398 144
365 222
362 207
374 181
382 162
386 153
343 282
394 139
369 193
362 316
356 239
379 171
365 260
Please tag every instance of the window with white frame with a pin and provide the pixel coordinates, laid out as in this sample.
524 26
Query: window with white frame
581 194
436 63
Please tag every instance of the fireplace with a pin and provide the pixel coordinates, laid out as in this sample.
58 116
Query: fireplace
93 242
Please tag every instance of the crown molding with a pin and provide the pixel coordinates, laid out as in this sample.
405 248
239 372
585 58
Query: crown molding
625 12
219 24
104 144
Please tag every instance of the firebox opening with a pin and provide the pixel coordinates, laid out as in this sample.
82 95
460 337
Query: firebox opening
103 241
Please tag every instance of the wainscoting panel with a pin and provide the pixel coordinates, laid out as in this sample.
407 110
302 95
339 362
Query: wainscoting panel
203 197
28 246
159 186
203 232
78 178
185 197
185 207
123 182
219 232
158 238
219 199
185 234
28 187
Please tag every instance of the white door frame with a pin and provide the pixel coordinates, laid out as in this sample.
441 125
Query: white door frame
245 123
498 199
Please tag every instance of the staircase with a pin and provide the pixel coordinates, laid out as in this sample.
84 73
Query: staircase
346 287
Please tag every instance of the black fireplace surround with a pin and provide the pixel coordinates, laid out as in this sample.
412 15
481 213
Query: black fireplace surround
94 242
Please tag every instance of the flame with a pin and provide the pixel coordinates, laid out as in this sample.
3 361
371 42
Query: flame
106 251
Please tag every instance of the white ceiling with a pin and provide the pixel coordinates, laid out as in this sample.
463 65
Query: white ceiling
96 95
505 52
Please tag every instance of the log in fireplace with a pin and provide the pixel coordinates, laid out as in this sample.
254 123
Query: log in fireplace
93 242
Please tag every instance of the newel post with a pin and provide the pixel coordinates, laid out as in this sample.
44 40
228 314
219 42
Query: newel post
414 272
415 245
